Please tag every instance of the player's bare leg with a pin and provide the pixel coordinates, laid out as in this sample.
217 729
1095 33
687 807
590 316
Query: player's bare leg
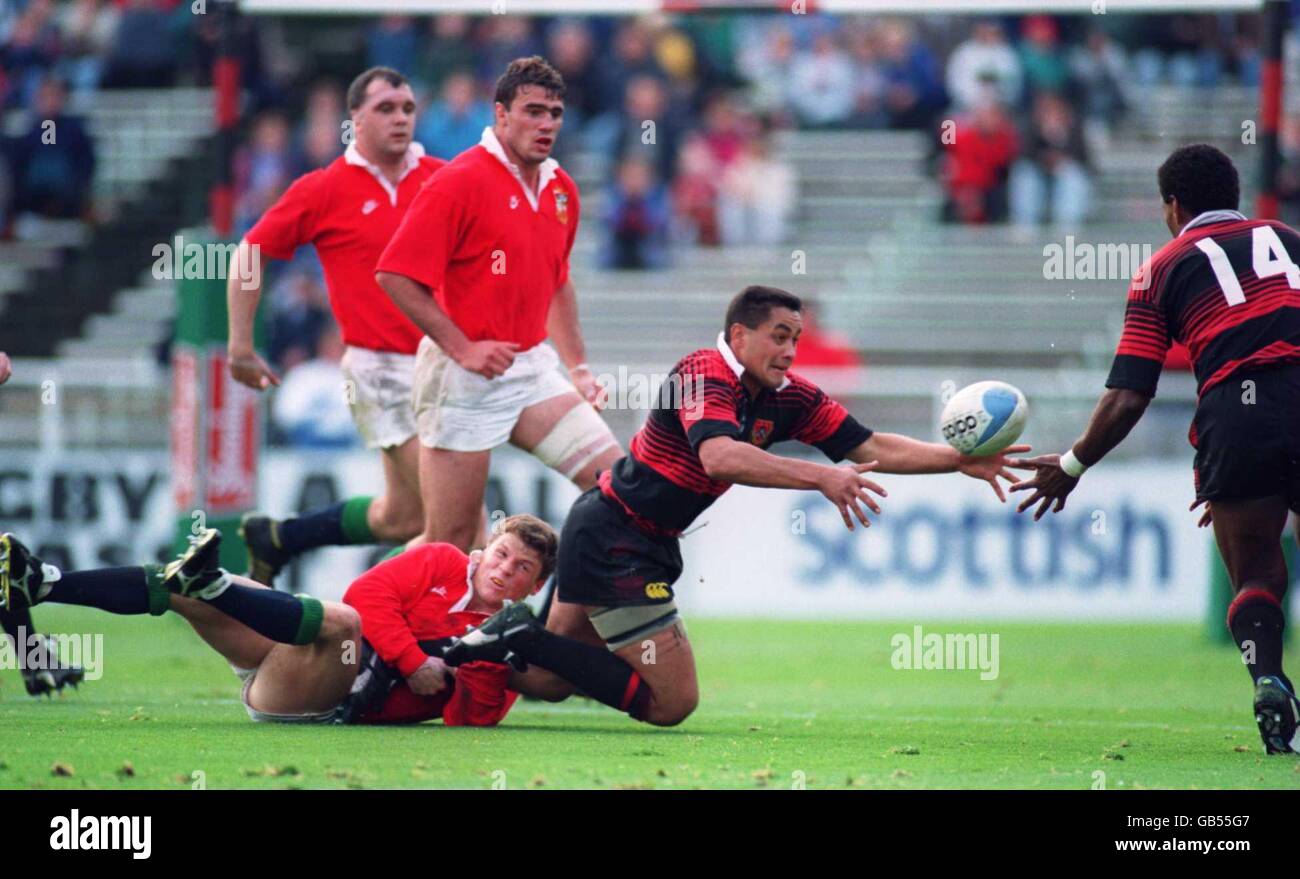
314 677
666 663
1249 534
235 641
573 441
452 485
569 621
397 515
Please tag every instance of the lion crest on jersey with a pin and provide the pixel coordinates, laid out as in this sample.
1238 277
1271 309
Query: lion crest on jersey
562 206
762 431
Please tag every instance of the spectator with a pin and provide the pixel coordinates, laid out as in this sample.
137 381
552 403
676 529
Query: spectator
631 57
636 218
29 52
393 42
975 165
503 39
914 93
757 194
869 84
451 48
571 51
88 27
263 167
722 130
454 122
144 53
310 408
657 143
985 62
822 84
1100 74
695 194
767 65
1052 174
54 160
300 313
319 139
1041 56
821 349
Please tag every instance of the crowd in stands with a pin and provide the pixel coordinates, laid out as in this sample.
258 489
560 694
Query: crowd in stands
682 113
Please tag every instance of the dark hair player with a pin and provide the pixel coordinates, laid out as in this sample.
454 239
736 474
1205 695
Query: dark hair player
1228 288
619 555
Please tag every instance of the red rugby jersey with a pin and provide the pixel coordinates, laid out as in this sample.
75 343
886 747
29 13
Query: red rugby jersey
493 255
349 212
421 595
1227 287
661 481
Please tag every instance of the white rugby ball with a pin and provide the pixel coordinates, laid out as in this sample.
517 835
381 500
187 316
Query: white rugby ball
984 418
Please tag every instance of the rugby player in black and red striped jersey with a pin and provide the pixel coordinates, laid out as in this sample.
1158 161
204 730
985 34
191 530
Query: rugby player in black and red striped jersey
1228 288
718 412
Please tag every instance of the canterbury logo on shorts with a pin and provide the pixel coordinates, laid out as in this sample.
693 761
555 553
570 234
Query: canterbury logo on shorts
658 591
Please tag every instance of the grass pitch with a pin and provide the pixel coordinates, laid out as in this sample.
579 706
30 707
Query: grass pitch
783 705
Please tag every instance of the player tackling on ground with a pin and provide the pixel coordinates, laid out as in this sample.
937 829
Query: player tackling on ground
718 412
481 265
348 210
371 659
1228 288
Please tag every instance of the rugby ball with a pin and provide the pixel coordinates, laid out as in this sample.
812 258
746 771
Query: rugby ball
984 418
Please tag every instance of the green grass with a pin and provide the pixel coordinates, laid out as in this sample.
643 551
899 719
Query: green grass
1150 706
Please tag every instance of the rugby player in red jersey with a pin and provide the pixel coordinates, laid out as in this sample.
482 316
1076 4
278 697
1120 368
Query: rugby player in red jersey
481 265
1228 288
348 211
720 409
370 659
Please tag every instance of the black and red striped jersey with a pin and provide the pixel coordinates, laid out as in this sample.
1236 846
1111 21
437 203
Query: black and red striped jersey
1228 288
661 482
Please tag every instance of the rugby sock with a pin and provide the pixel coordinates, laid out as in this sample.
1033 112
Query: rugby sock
341 524
1256 621
597 672
129 590
288 619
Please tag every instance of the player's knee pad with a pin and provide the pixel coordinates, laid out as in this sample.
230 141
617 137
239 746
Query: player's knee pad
575 441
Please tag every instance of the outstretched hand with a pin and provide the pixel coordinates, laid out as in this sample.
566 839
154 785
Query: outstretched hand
1207 517
1050 484
846 487
991 467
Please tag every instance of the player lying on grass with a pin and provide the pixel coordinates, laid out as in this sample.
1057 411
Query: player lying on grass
1228 288
370 659
348 211
614 630
42 671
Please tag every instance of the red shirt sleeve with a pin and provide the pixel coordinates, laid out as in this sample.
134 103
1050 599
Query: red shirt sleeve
1145 339
481 697
430 233
292 220
382 594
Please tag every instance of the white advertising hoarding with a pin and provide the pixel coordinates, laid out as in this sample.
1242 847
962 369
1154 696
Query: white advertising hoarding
1124 548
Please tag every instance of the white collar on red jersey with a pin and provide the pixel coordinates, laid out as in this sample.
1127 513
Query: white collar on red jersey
474 558
725 350
1213 217
548 168
414 152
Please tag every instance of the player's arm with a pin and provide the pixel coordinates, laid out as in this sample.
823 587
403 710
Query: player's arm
5 369
895 453
1134 374
1055 476
729 460
243 292
565 333
378 595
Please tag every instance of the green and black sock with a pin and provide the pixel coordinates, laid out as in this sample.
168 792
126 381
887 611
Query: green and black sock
341 524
